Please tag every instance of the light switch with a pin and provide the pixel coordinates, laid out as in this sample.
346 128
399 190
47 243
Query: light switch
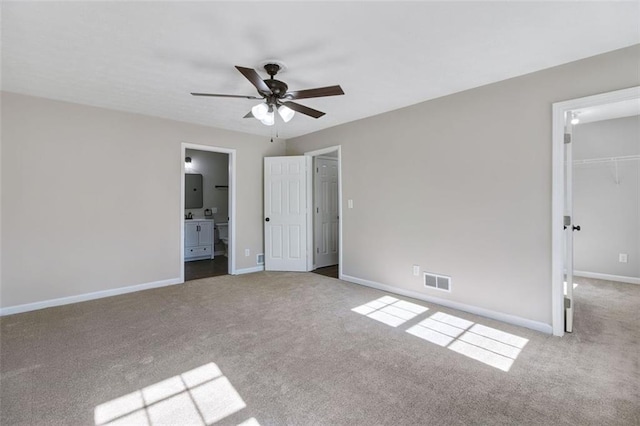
214 210
350 204
623 258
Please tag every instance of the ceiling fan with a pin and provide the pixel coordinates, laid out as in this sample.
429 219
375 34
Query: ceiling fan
276 96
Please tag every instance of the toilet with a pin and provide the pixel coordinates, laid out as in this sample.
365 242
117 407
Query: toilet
223 234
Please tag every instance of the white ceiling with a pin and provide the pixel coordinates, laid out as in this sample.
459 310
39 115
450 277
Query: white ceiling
611 111
146 57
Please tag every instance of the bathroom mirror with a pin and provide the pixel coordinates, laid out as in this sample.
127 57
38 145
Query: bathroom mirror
192 191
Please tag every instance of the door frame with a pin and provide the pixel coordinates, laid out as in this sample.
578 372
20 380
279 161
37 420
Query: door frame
559 110
310 194
316 229
231 261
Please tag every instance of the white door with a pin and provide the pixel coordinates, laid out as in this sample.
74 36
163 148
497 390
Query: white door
326 212
285 213
568 224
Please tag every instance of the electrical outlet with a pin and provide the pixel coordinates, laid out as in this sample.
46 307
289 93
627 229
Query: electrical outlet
214 210
416 270
247 252
623 258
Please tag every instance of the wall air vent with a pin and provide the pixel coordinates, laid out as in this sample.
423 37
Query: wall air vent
439 282
260 259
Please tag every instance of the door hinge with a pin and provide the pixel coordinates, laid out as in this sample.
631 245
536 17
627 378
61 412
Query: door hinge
317 250
567 303
567 221
317 209
567 138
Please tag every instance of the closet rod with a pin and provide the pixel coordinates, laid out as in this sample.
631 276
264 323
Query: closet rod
607 159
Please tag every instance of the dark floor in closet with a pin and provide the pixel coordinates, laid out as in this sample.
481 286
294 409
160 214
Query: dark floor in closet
328 271
206 268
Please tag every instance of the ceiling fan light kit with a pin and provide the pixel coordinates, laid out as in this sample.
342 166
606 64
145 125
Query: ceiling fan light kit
286 113
269 118
260 111
276 96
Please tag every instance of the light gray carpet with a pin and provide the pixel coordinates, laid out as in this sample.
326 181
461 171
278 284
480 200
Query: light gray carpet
290 350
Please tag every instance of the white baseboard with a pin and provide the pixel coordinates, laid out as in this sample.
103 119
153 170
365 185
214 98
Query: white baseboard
10 310
510 319
608 277
258 268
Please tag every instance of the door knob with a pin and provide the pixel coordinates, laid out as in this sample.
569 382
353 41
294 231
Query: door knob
267 220
576 228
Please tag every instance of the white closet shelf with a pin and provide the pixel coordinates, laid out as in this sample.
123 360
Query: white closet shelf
607 159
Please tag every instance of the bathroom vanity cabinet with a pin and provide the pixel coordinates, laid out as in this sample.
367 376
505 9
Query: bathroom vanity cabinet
198 239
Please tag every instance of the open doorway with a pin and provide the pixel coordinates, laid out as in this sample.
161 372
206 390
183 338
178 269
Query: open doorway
291 241
568 161
208 204
606 192
325 227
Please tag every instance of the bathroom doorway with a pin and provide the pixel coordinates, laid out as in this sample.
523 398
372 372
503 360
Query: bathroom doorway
208 209
326 201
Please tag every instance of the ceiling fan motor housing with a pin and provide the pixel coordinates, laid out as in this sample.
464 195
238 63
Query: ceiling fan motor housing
278 88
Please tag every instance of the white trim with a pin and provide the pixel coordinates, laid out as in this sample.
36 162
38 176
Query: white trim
310 233
311 230
557 191
182 179
509 319
232 202
608 277
251 270
310 227
10 310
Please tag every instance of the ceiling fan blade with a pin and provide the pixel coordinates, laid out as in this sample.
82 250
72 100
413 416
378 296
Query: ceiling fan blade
249 115
304 110
315 93
216 95
255 79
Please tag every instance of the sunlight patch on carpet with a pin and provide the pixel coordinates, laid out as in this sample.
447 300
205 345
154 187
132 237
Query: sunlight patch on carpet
476 341
202 396
390 311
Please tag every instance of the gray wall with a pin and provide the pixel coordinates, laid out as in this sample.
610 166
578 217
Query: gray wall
467 179
91 197
214 168
608 212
